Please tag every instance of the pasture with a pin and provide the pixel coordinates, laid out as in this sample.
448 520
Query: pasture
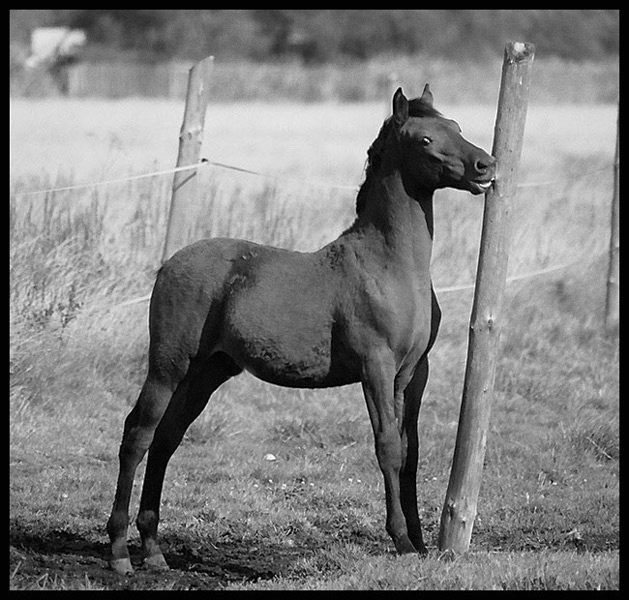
275 488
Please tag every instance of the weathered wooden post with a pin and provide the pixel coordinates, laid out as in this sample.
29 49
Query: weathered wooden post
190 140
459 510
612 299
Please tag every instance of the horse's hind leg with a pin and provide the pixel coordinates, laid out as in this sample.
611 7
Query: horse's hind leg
138 433
202 379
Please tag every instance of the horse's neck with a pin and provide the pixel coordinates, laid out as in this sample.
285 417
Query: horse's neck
399 225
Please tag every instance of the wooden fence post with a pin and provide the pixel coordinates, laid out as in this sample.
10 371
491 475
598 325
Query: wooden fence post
612 299
190 140
459 510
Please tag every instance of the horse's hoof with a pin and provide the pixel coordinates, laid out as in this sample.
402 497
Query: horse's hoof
157 562
421 550
404 546
418 544
122 566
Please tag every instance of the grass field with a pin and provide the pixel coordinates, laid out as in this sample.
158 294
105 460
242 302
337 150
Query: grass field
313 518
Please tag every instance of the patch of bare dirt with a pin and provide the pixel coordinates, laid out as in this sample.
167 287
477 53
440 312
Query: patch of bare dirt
58 558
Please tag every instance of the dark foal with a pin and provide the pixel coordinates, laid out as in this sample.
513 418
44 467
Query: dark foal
360 309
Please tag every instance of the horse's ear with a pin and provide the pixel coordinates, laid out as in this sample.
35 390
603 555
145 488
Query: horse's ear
400 106
426 96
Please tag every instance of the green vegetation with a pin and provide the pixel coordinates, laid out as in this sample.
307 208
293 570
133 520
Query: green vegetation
313 518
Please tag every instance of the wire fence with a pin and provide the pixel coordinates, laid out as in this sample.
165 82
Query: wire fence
281 178
205 162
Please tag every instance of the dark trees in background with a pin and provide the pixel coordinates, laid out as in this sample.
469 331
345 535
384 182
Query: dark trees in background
319 36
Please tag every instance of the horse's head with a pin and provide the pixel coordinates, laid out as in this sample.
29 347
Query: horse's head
433 152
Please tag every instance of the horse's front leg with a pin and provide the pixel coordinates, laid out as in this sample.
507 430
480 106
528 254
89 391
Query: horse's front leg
410 453
378 387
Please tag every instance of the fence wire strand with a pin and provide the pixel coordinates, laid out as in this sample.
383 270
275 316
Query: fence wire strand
204 162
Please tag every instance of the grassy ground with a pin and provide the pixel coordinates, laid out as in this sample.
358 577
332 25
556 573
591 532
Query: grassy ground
313 518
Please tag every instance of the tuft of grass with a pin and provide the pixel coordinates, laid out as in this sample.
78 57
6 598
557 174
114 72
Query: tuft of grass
600 438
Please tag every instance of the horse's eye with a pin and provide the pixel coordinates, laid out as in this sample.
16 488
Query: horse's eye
426 141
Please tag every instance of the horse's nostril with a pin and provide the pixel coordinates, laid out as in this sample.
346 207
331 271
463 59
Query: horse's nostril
481 166
484 164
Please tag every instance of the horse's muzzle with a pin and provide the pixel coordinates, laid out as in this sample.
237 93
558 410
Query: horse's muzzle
483 173
479 186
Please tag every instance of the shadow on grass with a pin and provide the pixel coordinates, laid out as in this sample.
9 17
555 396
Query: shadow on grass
55 558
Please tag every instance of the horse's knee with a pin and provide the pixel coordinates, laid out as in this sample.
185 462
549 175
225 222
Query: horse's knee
389 449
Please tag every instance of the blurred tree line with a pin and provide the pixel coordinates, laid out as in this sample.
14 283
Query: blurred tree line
323 36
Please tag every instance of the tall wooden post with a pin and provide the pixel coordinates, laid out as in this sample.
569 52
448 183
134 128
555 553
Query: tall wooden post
459 510
190 140
612 299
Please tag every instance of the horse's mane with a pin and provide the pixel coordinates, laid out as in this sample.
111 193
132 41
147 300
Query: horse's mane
416 108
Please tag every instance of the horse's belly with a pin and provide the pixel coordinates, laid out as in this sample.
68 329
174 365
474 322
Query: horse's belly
289 372
290 358
287 343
